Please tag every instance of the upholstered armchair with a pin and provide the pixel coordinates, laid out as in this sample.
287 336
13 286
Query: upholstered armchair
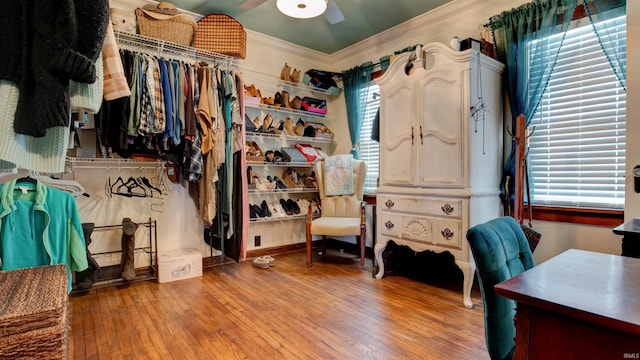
341 214
501 251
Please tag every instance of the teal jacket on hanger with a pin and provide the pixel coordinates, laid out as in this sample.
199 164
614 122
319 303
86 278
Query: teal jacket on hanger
40 226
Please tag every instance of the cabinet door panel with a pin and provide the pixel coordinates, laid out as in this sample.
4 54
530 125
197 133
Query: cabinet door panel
397 152
440 130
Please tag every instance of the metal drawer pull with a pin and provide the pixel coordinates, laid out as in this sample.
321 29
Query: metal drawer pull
412 136
389 203
389 224
447 209
448 234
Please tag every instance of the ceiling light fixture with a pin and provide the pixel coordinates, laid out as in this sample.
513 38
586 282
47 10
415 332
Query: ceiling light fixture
302 9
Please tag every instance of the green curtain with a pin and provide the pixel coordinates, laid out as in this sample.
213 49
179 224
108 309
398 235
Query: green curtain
356 81
521 36
598 11
514 32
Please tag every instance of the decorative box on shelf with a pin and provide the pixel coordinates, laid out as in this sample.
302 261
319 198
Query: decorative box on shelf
252 101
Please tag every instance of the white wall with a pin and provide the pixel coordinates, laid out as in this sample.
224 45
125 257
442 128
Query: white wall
632 199
462 18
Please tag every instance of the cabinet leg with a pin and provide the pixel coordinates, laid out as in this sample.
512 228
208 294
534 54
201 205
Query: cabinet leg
468 271
377 252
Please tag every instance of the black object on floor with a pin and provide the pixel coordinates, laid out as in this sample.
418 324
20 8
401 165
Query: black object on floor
425 266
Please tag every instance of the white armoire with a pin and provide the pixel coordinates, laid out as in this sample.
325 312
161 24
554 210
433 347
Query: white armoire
441 118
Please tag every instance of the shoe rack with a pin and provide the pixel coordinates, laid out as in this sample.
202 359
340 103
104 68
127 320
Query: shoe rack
266 172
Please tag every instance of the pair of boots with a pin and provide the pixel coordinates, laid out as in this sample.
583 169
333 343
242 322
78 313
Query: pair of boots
287 75
127 265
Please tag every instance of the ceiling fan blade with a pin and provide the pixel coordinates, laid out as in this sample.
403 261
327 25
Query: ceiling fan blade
250 4
333 13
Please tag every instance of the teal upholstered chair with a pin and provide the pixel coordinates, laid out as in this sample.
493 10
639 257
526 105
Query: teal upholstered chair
501 251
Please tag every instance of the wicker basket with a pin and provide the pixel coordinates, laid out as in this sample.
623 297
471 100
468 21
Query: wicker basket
221 34
34 313
178 29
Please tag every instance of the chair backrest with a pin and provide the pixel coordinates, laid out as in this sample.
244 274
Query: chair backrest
342 205
501 251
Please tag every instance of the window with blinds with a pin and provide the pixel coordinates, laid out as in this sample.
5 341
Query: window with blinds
369 149
577 149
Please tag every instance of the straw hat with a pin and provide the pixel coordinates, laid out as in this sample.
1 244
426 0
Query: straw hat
164 10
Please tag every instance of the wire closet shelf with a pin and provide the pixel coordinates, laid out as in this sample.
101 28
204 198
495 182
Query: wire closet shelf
162 48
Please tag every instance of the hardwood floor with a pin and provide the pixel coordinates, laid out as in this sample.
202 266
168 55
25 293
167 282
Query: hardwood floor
237 311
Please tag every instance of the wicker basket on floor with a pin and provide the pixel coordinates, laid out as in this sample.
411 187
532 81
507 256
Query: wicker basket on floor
34 318
178 29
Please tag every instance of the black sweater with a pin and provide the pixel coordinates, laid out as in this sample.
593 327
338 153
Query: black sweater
43 45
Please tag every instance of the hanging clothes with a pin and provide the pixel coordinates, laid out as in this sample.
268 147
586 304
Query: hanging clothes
40 226
187 112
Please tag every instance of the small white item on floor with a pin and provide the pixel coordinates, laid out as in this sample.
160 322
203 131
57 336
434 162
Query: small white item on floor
264 262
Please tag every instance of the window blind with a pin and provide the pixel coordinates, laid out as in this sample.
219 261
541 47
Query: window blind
577 148
369 149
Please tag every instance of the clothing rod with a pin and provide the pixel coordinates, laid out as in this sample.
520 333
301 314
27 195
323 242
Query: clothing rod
117 166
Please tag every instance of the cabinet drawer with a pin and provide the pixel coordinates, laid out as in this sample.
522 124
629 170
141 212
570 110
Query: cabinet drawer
408 227
448 233
424 206
389 223
417 229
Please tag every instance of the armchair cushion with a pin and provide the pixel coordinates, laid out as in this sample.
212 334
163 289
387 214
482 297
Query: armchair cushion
341 206
501 251
336 226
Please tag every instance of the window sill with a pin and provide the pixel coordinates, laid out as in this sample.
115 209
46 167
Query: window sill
599 217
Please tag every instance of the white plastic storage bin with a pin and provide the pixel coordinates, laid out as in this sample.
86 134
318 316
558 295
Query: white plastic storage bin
179 264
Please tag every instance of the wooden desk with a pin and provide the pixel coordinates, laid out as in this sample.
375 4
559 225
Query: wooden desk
577 305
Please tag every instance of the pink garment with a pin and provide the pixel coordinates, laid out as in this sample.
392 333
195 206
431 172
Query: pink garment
115 83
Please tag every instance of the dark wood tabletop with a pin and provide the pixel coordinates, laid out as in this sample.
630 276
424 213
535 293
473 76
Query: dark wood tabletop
630 227
599 288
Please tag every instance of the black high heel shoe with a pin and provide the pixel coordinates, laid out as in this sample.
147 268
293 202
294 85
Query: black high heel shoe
258 211
269 156
294 206
278 157
265 208
280 184
277 99
286 207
